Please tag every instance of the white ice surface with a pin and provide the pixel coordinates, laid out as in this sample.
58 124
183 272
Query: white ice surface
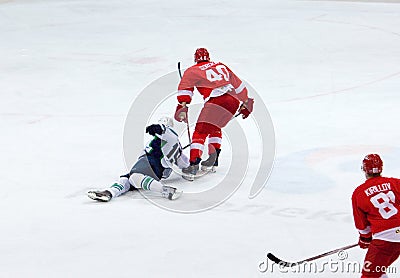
69 70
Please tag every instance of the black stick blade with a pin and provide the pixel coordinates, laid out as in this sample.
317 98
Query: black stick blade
179 70
276 260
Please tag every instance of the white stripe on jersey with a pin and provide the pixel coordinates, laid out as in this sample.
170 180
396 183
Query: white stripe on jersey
392 235
185 93
197 146
240 88
365 231
219 91
214 140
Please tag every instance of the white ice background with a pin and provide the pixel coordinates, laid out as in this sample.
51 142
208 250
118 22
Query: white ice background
69 70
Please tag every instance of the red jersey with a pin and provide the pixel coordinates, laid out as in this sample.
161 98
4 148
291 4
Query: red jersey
211 80
376 205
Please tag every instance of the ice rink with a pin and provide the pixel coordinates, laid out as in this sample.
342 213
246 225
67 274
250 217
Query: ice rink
328 71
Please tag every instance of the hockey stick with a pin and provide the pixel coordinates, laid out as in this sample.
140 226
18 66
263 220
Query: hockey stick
188 131
187 120
290 264
179 70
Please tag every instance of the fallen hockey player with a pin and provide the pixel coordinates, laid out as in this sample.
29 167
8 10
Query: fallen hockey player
154 164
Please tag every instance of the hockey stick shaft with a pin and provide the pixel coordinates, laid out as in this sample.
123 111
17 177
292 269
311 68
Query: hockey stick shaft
187 119
179 70
188 132
330 252
289 264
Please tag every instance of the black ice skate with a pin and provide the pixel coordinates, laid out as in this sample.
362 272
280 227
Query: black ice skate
102 196
211 163
170 193
191 171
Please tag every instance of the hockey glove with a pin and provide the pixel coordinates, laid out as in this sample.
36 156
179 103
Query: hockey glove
181 113
364 242
153 129
246 108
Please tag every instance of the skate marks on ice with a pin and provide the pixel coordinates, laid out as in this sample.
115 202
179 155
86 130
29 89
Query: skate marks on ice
79 193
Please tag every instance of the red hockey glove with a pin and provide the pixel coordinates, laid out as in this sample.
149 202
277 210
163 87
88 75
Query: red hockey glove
181 113
246 108
364 242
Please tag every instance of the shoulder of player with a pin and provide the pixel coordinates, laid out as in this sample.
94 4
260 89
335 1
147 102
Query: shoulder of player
376 182
192 71
381 179
171 130
394 182
193 67
205 65
393 179
358 189
169 135
220 64
355 192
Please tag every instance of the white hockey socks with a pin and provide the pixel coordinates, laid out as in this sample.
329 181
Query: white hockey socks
141 181
144 182
119 187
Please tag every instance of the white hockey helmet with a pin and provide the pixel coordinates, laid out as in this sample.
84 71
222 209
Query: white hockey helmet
167 121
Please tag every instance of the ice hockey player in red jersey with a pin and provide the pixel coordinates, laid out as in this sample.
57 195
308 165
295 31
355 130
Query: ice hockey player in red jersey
376 211
224 94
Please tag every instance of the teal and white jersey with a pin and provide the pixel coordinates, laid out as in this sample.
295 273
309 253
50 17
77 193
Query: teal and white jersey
167 148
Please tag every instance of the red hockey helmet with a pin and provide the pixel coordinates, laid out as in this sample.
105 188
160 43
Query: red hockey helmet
372 164
201 55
